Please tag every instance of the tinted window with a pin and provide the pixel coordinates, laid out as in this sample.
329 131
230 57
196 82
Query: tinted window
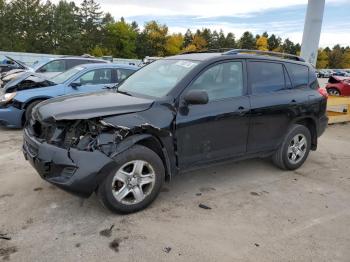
54 66
299 74
96 77
265 77
224 80
74 62
123 73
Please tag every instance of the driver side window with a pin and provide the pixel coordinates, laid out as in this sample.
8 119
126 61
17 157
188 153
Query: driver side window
96 77
224 80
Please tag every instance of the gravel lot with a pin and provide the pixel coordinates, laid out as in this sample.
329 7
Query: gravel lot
259 213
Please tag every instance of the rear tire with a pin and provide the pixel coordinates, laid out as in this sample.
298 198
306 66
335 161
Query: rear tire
135 182
294 149
333 92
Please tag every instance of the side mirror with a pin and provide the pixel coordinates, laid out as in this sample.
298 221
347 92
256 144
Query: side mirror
75 85
42 70
196 97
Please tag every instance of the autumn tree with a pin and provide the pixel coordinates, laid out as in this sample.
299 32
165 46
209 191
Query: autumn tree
261 43
322 59
174 44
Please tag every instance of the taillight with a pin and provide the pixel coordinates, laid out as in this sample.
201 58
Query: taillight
323 92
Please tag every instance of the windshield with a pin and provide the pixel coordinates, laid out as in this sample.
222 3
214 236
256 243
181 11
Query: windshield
63 77
157 78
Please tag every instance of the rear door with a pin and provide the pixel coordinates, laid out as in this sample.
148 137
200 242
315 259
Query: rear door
218 129
275 102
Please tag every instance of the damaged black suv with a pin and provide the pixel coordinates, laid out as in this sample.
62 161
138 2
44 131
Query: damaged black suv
176 114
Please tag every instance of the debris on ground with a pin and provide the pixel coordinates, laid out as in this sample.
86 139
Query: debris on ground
38 189
107 232
77 245
254 194
6 195
256 244
167 249
115 245
198 194
204 206
6 252
207 189
4 236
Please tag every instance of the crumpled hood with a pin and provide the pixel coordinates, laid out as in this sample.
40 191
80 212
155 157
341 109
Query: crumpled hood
86 106
27 80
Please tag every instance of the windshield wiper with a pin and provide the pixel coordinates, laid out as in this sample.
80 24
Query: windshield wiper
124 92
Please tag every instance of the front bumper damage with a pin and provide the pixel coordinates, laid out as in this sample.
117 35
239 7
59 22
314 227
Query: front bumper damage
75 171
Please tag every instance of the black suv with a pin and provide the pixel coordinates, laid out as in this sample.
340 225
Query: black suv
175 114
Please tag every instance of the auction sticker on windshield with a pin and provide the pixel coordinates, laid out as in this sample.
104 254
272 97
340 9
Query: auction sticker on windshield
186 64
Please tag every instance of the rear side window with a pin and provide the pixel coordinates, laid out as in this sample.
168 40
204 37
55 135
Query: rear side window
299 74
54 66
265 77
74 62
122 73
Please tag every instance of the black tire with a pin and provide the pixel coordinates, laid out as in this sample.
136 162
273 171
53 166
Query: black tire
333 91
29 109
136 152
281 156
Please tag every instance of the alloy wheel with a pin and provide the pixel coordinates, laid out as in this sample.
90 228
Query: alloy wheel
133 182
297 148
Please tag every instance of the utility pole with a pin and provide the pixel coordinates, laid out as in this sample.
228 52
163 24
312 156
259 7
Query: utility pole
312 30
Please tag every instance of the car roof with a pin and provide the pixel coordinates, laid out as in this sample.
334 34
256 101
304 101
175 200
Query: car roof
103 65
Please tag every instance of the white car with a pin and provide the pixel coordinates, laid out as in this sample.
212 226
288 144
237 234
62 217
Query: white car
48 67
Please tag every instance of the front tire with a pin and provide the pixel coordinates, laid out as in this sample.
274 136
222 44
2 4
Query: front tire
135 182
29 110
294 149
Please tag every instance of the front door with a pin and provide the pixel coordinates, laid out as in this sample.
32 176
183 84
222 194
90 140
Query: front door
218 129
92 81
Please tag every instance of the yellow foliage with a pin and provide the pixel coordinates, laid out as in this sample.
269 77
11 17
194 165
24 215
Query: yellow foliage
322 59
173 44
262 44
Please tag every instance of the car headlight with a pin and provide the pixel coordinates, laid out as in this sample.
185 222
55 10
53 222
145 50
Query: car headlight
6 98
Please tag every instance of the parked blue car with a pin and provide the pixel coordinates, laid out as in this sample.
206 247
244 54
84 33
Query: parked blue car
19 96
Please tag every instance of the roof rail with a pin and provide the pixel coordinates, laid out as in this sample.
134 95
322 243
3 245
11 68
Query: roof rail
267 53
218 50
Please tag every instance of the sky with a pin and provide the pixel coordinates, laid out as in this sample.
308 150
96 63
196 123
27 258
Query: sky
282 17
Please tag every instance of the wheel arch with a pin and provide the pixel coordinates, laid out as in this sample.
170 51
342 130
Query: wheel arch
334 87
28 102
153 143
310 123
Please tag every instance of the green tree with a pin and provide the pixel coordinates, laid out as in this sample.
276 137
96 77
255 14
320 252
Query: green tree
121 39
66 35
188 37
230 41
90 18
247 41
274 42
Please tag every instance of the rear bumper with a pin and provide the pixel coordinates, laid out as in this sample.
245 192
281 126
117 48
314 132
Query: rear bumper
11 117
77 172
322 125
